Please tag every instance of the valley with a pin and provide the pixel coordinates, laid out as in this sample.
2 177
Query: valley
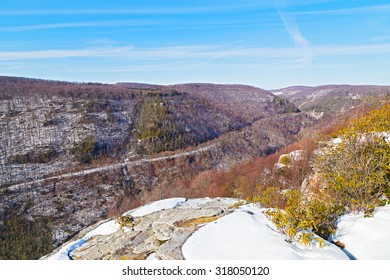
72 154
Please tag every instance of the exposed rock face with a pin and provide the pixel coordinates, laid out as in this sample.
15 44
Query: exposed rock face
160 233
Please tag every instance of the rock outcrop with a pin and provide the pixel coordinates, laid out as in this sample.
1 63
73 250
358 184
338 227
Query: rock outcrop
177 229
161 233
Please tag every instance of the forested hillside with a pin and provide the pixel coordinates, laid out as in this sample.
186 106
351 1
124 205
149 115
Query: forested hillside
329 100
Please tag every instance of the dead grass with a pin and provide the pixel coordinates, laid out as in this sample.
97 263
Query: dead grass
237 204
138 257
197 221
132 257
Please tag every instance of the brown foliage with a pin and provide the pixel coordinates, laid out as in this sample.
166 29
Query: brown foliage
124 204
242 180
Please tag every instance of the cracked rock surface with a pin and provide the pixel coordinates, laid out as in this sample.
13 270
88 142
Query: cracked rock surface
160 233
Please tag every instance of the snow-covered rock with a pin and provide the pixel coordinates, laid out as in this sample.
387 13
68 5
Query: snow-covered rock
204 228
105 228
287 159
156 206
248 234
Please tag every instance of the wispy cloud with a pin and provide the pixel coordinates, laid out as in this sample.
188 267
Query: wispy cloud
202 7
380 38
220 55
194 52
101 11
166 24
352 50
144 11
114 23
292 28
365 9
56 53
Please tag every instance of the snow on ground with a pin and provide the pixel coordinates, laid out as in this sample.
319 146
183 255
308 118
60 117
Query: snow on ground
336 141
201 202
247 234
152 257
156 206
384 134
317 115
103 229
366 238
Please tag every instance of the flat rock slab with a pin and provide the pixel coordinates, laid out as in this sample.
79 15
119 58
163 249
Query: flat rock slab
160 234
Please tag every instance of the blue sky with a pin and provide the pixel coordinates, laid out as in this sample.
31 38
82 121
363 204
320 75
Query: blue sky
266 43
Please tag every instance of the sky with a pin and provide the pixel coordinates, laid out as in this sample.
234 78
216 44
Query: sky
266 43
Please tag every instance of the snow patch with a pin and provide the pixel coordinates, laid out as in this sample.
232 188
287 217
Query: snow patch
317 115
355 96
201 202
336 141
318 93
103 229
248 234
366 238
384 134
152 257
156 206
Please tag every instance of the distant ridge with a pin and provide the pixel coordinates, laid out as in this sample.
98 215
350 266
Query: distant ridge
331 99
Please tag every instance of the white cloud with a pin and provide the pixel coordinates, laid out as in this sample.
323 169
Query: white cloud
365 9
115 23
352 50
52 54
197 52
201 7
380 38
205 8
292 28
